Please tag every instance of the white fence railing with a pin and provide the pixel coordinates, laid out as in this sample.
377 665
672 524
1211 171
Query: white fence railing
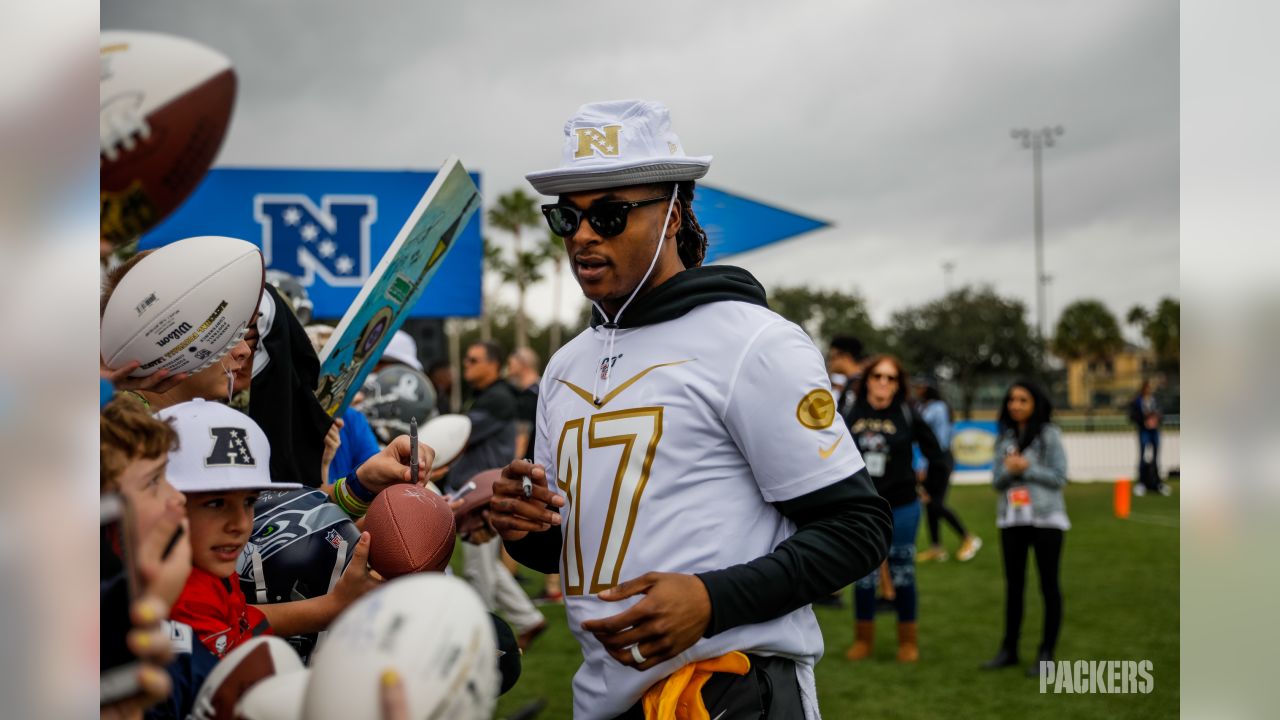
1099 457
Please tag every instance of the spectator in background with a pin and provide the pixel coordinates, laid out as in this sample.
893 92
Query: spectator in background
885 426
1144 413
1030 472
523 373
401 349
133 455
844 358
440 373
492 444
937 415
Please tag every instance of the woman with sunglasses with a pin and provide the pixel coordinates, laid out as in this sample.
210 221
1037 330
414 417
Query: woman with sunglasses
1030 472
885 426
694 487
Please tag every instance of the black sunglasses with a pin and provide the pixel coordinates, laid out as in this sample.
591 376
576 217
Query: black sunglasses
607 218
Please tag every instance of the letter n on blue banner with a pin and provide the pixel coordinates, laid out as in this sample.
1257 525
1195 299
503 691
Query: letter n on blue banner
329 228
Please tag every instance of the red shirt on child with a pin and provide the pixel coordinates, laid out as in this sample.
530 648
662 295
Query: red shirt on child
217 611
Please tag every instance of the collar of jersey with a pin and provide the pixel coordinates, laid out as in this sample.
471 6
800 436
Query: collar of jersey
687 290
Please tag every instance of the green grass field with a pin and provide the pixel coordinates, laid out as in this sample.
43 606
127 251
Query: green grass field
1120 587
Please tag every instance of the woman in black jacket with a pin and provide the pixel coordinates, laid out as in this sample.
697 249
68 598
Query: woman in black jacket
885 426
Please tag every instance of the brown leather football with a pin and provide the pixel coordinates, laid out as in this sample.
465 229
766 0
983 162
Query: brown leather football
411 530
165 106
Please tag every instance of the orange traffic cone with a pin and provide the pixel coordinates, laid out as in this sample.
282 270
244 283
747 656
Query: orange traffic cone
1122 496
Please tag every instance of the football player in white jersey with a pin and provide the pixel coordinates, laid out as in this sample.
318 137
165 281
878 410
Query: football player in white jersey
691 484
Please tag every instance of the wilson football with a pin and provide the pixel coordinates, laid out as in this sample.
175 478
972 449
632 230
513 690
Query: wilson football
165 103
183 306
433 630
411 530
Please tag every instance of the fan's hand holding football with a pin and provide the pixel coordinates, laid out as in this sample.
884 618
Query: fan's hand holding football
391 466
157 382
391 696
668 620
357 579
511 513
149 642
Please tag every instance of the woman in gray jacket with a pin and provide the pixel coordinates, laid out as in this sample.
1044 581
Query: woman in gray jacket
1030 472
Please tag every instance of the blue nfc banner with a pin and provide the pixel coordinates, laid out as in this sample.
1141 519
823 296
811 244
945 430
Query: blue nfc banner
329 228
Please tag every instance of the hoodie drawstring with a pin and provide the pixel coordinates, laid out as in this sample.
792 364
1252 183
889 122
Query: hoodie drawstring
611 325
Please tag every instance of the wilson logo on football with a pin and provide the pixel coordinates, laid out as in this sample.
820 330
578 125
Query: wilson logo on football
174 334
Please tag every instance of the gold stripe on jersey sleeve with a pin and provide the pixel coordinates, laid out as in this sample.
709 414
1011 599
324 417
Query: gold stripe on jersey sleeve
586 395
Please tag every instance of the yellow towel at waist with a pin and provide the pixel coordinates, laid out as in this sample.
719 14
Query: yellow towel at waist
678 696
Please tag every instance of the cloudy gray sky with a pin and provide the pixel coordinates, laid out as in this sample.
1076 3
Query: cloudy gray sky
889 119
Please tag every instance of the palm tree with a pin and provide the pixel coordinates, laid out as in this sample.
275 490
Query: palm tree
553 249
493 262
514 212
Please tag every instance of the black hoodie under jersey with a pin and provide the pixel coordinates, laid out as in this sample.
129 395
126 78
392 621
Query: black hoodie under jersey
842 530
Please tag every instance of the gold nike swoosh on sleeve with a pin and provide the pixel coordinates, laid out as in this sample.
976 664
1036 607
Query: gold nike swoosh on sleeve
824 454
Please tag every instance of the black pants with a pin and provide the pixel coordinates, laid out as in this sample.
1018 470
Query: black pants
1014 544
936 510
1149 457
768 690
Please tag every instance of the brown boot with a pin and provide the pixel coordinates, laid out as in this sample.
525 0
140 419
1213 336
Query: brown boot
864 634
908 650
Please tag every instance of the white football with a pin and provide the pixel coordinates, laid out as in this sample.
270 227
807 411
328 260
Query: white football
166 104
447 435
449 664
278 697
183 306
242 668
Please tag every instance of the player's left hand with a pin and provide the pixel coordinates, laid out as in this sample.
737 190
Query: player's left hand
391 465
670 618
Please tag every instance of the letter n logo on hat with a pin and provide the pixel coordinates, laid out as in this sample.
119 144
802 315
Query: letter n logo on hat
597 140
230 448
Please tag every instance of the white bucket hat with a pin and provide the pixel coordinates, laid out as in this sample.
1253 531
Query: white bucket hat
403 349
219 449
617 143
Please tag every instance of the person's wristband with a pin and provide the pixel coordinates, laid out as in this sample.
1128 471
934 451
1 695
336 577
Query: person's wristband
350 504
360 492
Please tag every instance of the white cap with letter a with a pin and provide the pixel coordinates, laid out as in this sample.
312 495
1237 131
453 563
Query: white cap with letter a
219 450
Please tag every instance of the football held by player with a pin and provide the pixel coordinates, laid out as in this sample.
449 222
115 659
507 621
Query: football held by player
691 485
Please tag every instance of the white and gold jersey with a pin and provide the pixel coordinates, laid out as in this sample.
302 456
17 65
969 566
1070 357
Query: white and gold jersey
703 421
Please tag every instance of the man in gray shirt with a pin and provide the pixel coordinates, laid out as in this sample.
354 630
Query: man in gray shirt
492 445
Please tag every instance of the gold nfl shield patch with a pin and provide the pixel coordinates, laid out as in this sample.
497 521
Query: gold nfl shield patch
817 409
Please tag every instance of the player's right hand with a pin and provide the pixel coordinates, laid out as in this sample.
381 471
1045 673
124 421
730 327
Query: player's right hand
515 516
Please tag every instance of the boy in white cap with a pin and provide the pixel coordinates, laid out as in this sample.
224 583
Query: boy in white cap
221 464
692 487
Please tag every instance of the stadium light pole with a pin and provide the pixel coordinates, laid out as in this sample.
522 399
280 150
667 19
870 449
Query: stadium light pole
1035 141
